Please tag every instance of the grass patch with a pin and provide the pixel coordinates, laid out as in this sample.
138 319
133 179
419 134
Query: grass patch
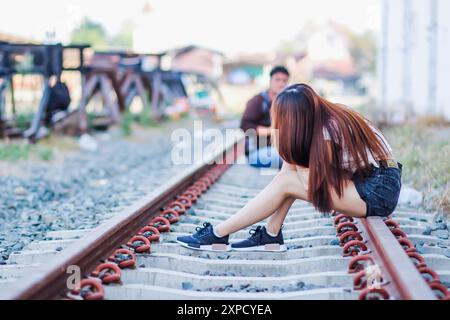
23 120
145 120
424 150
142 119
44 153
126 124
12 152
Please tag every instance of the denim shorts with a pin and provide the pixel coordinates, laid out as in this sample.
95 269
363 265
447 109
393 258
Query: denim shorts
380 190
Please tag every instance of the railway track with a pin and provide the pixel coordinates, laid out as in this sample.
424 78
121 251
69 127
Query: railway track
134 255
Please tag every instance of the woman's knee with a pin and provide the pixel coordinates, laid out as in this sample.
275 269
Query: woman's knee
289 184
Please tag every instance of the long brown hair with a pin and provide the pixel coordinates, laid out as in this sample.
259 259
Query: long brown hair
299 117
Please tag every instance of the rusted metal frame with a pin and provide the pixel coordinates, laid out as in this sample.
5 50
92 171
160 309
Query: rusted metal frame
156 85
112 103
87 88
36 122
49 281
127 93
3 86
405 282
2 127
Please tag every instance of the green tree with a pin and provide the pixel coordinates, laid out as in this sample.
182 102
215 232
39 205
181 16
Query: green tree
90 32
363 48
124 38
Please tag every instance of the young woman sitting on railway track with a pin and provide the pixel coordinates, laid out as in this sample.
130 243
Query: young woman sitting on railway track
333 158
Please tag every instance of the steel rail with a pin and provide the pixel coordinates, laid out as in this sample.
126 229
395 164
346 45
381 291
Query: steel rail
405 282
49 281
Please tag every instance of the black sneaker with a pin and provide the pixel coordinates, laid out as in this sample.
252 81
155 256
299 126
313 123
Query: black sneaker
205 239
261 241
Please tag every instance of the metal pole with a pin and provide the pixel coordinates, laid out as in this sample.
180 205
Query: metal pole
36 123
13 96
156 87
3 86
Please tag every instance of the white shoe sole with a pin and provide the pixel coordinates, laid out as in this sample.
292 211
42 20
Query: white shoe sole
213 247
266 248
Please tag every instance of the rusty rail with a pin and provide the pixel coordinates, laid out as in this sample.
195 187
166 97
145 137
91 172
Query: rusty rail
406 283
49 281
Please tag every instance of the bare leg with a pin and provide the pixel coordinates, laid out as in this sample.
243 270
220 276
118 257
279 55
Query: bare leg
287 184
276 220
258 209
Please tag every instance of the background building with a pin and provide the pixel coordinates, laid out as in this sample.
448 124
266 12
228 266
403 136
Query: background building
413 61
195 59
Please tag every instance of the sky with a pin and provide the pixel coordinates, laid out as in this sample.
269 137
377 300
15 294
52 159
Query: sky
227 25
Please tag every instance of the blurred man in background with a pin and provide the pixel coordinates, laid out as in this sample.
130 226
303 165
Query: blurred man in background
256 123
